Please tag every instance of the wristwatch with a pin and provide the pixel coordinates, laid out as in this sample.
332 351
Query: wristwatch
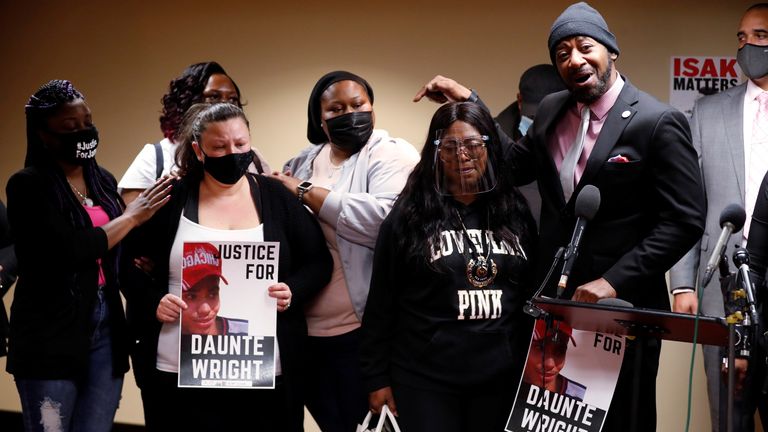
303 188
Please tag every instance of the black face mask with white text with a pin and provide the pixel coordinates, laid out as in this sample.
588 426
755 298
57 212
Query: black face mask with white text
351 131
77 147
228 169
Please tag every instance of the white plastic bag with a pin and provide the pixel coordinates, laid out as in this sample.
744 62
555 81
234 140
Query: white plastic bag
387 422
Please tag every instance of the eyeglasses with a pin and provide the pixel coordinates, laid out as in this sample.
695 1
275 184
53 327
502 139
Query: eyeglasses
217 97
473 146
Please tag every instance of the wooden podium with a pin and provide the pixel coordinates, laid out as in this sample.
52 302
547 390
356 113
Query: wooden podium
639 322
633 321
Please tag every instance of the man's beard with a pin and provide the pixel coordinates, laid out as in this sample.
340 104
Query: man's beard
589 95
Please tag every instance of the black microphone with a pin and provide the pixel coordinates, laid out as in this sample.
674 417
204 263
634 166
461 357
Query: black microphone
731 220
585 209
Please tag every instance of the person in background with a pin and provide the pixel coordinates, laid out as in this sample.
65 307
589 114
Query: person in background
8 269
444 333
205 82
637 151
730 134
217 200
349 177
535 83
68 345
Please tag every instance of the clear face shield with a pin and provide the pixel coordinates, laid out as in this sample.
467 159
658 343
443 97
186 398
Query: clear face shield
462 166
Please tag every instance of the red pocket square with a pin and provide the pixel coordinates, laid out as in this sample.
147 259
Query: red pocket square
618 159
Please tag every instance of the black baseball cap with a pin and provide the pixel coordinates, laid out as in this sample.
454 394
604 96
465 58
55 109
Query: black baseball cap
535 83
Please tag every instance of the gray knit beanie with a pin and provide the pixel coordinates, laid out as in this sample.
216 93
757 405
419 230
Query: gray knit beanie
581 19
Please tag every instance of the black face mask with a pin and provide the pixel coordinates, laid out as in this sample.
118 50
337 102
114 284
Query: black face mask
753 60
351 131
76 147
228 169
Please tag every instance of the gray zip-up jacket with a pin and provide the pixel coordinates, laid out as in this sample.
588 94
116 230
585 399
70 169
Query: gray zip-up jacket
371 180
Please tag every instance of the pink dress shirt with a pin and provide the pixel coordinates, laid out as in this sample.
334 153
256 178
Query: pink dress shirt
565 131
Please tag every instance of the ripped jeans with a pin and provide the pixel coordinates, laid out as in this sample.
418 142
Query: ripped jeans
83 405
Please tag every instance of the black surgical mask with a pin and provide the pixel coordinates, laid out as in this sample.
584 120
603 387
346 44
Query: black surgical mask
753 60
76 147
351 131
228 169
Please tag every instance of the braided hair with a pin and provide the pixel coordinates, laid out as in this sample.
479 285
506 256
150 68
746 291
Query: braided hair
185 91
45 103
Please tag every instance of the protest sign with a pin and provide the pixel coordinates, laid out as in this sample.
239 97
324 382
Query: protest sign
228 331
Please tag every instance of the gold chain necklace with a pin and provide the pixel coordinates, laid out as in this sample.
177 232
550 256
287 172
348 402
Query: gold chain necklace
87 202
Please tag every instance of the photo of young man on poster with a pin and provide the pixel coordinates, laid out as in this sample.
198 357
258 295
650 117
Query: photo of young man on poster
201 277
546 358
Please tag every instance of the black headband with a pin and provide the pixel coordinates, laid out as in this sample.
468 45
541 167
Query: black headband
315 133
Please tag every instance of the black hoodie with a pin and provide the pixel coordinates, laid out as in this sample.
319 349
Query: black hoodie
428 326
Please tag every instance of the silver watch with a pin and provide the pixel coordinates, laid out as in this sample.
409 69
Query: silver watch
303 188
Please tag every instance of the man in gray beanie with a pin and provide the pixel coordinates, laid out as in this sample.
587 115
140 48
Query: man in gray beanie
581 19
605 132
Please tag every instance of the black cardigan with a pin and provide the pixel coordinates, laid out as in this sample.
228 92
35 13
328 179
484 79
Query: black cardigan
305 265
58 281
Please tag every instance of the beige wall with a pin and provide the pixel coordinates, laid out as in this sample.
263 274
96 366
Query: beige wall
122 55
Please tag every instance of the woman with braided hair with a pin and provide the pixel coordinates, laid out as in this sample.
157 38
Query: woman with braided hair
200 82
68 345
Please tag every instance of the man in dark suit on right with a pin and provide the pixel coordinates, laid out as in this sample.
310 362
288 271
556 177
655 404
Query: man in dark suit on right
605 132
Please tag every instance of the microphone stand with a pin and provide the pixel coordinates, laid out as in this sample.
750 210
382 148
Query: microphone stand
741 260
740 316
530 308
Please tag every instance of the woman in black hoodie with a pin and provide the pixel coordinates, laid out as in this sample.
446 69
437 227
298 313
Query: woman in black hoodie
444 334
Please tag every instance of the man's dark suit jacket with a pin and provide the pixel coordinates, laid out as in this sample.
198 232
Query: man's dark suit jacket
652 207
651 213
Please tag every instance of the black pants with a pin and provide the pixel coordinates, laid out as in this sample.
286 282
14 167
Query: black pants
481 409
168 407
334 388
635 372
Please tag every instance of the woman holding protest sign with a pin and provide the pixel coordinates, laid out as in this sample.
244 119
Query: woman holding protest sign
444 334
216 200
